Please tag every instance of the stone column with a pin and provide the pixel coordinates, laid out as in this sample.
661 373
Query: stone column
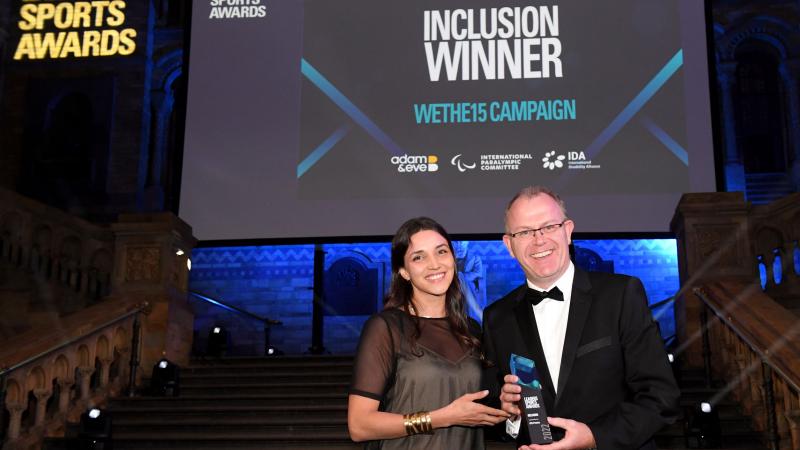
15 421
42 395
84 380
83 277
734 168
105 366
147 267
63 395
713 242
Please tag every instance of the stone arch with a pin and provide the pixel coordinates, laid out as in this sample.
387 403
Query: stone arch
120 340
61 368
102 348
84 357
770 30
768 239
761 103
41 251
14 393
36 379
69 260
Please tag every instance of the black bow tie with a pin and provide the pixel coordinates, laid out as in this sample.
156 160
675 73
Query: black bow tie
535 297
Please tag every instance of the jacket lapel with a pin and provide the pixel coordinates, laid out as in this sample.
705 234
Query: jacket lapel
580 303
530 334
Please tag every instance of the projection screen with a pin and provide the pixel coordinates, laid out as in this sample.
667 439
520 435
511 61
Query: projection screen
340 118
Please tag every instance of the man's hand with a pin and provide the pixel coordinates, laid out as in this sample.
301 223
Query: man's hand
578 436
510 395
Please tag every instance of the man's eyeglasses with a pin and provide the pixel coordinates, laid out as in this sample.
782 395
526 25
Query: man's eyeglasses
529 234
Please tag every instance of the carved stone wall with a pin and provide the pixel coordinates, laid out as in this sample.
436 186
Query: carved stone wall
722 236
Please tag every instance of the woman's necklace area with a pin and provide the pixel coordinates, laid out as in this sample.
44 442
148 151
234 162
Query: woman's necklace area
413 311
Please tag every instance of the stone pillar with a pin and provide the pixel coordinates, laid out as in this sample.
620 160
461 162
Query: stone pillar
147 267
65 387
42 395
734 167
713 242
84 380
83 277
15 421
105 366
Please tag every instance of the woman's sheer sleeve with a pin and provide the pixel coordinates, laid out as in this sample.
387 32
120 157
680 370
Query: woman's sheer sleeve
375 359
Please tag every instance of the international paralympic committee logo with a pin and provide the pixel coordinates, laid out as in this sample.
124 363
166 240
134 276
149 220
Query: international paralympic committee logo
462 166
551 164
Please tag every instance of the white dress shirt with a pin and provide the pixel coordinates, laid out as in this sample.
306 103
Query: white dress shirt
551 322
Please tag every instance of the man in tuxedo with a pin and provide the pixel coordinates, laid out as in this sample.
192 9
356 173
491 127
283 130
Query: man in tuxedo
606 382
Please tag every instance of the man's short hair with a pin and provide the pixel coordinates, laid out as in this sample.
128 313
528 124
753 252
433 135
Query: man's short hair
533 191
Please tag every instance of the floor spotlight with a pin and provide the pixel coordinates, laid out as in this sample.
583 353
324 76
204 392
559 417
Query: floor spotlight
165 380
271 350
95 430
703 429
675 365
217 342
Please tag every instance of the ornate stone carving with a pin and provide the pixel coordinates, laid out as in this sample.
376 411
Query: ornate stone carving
717 242
143 264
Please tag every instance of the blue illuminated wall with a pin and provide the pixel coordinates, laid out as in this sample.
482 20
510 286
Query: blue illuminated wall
276 281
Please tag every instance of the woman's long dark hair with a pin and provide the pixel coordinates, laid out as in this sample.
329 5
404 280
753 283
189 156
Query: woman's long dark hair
401 292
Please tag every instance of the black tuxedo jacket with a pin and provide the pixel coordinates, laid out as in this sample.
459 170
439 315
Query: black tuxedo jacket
614 373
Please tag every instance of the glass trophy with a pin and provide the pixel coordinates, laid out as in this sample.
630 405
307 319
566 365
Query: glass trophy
534 427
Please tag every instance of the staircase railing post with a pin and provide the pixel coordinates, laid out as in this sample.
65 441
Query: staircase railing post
134 364
773 438
706 346
318 309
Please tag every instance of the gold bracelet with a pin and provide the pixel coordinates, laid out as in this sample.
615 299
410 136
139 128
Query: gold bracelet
408 424
419 422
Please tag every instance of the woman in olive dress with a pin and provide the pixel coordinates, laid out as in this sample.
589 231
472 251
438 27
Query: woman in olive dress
418 365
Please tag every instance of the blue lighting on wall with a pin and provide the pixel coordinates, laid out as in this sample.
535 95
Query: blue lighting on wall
275 281
777 267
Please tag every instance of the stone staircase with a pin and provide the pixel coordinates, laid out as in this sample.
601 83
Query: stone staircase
298 403
764 188
737 432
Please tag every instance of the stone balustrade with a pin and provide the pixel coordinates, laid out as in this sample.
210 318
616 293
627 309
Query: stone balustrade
51 377
775 231
60 279
720 235
759 363
70 260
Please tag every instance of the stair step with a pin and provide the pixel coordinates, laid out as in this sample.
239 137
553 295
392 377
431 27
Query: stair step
266 389
286 400
267 377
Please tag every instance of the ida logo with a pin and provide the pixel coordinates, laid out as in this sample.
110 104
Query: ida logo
576 156
412 163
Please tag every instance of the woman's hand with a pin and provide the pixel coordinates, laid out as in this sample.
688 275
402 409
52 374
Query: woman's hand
464 411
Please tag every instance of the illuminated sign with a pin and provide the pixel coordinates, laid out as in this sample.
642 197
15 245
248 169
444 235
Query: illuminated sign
52 30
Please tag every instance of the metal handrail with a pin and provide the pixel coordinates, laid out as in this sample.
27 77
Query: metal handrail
660 303
229 307
268 349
